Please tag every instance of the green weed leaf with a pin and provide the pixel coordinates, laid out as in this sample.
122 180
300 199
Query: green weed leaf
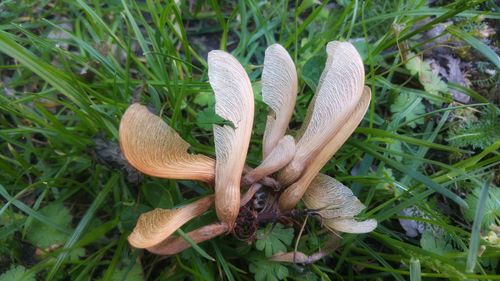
266 270
206 118
129 274
432 82
17 273
435 243
44 236
312 70
491 206
401 107
204 99
478 133
395 145
157 195
275 241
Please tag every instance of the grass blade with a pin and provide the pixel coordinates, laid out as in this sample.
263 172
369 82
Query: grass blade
476 228
194 245
23 207
222 261
414 174
484 49
420 142
47 72
82 225
415 274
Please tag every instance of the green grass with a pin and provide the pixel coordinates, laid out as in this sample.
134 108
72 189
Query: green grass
59 130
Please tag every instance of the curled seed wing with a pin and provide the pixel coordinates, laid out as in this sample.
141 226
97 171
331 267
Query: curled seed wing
340 88
331 198
174 245
298 257
292 257
292 195
155 149
233 102
281 155
350 225
346 210
158 224
279 92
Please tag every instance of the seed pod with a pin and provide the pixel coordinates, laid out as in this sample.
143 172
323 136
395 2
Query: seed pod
298 257
279 92
350 225
292 195
331 198
174 245
233 102
155 149
339 90
155 226
336 205
281 155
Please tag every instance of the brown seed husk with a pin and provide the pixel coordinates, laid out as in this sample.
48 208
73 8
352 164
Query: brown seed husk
233 102
174 245
280 156
279 92
155 149
292 195
339 91
158 224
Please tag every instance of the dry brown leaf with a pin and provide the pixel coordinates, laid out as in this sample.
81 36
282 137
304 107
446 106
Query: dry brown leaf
279 92
281 155
292 195
174 245
233 102
155 149
339 90
158 224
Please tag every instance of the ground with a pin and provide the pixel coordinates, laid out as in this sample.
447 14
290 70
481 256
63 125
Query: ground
424 160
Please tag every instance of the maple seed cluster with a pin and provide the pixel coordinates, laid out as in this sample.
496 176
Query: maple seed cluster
289 171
